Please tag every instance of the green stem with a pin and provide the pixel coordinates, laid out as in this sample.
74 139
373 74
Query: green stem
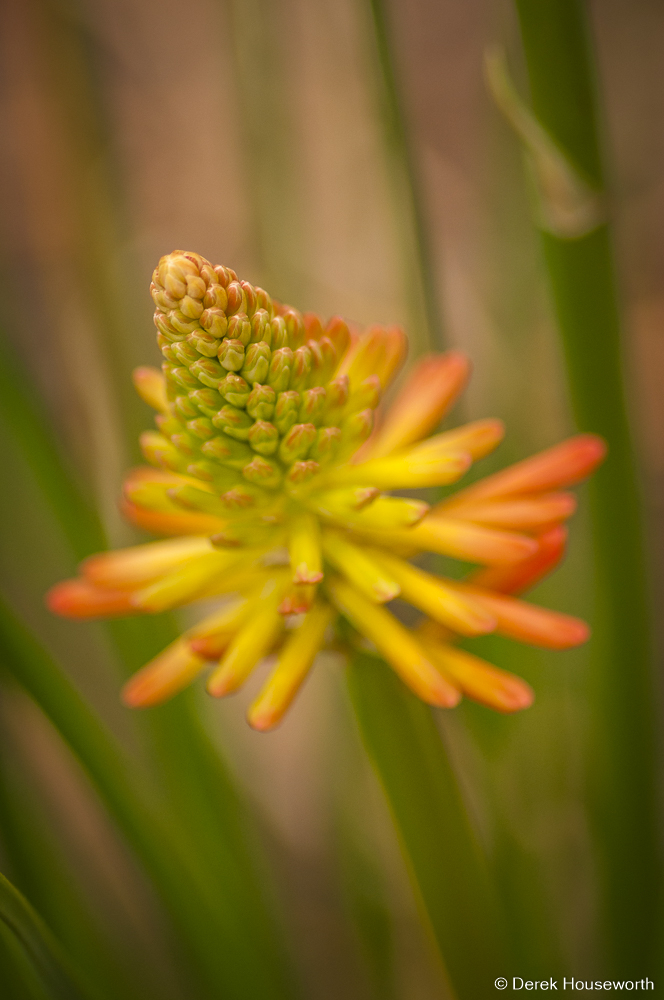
585 299
43 952
228 960
442 852
418 258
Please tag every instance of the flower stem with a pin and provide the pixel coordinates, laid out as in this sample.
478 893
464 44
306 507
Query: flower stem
441 850
45 957
583 286
418 258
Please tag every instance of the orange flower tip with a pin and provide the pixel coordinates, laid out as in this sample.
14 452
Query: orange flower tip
263 720
219 687
139 692
516 696
444 695
386 590
574 633
207 646
303 574
79 599
151 387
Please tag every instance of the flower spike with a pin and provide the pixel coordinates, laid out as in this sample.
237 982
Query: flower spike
268 480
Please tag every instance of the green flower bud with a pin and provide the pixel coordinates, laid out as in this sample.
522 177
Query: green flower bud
261 330
286 410
337 396
264 437
231 355
214 321
182 376
264 301
216 298
234 422
204 343
279 373
261 401
316 363
237 300
239 328
208 401
185 443
191 308
228 451
181 323
159 451
297 443
354 431
201 427
185 353
330 360
263 472
279 333
168 425
235 390
208 371
326 445
166 328
225 275
243 495
295 327
250 295
207 471
256 363
312 408
301 368
300 472
337 331
185 408
165 347
366 396
193 499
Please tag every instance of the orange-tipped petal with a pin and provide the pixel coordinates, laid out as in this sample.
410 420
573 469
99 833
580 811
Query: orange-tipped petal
430 390
127 569
480 680
522 575
562 465
528 622
432 595
478 439
536 513
186 583
295 661
150 385
82 600
163 677
470 542
254 640
210 637
171 524
304 549
395 643
378 351
406 470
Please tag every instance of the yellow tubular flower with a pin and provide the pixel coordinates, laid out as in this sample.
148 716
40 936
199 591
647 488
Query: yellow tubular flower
271 468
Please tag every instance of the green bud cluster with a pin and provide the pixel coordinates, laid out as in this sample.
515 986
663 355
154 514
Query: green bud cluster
250 382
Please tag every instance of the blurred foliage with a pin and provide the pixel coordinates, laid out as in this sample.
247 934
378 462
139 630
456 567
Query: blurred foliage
346 156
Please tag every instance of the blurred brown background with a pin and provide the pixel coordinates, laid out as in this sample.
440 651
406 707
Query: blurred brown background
252 131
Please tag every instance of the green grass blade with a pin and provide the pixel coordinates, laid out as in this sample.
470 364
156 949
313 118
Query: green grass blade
229 963
43 952
623 783
442 852
426 332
